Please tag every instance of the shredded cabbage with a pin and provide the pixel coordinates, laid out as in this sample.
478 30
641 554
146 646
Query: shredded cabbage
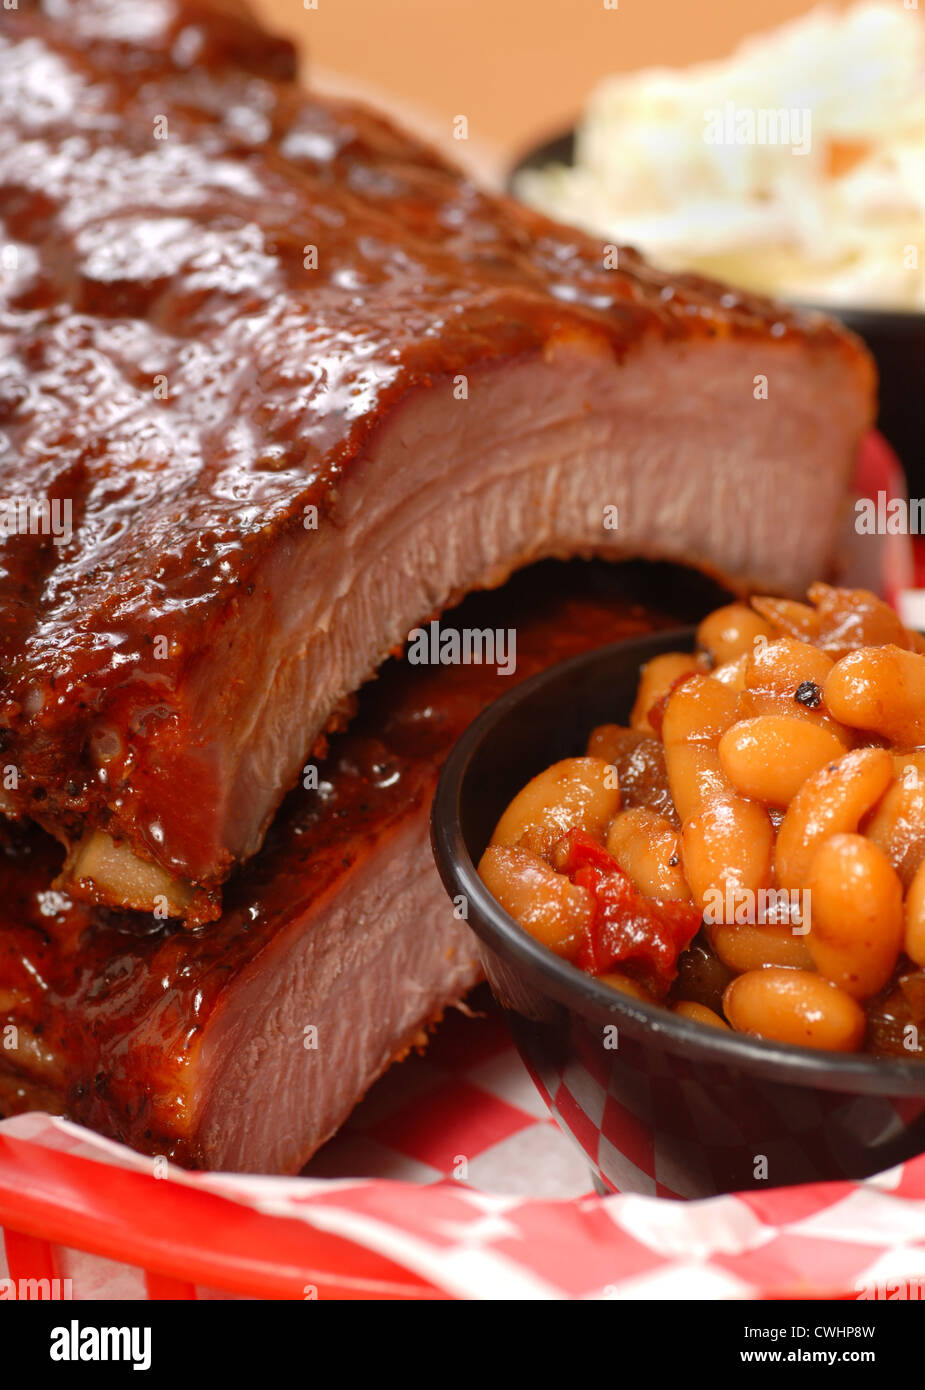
794 167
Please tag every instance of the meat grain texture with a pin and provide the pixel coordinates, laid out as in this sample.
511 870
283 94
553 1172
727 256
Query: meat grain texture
246 1043
302 385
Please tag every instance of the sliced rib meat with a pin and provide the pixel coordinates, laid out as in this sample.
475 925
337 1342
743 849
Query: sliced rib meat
302 386
194 1044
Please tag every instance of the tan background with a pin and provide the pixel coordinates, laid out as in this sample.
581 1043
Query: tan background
518 69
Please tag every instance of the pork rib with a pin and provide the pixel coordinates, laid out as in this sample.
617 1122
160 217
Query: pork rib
198 1045
301 386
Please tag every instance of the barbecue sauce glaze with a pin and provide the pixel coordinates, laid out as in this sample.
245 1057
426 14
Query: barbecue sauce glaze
214 289
112 1008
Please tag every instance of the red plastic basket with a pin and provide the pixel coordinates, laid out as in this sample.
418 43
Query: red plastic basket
184 1242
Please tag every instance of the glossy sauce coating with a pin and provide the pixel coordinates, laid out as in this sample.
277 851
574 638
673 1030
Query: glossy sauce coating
216 288
118 1004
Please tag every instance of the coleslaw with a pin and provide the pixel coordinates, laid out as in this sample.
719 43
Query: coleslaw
794 167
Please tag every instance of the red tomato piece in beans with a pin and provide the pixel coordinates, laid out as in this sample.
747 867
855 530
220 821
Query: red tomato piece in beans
643 936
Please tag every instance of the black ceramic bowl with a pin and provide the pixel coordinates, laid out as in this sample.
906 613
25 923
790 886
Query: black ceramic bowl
896 339
658 1103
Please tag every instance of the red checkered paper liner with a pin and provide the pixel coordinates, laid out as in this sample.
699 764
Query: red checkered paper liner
115 1230
460 1184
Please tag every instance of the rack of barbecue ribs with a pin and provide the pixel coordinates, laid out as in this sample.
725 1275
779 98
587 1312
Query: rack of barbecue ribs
279 385
244 1044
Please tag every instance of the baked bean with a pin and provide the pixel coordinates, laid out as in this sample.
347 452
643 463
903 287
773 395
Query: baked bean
657 678
697 714
546 904
754 945
852 618
831 802
856 914
610 741
910 763
784 664
770 757
627 985
730 632
695 777
775 674
897 822
915 918
699 710
792 619
794 1006
699 1013
648 849
732 673
881 689
727 846
576 792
